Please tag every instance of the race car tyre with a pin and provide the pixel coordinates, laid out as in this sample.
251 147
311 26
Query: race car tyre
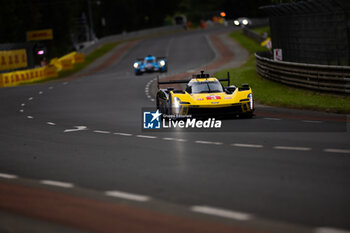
157 104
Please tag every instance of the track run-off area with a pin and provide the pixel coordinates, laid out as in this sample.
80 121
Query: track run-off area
74 156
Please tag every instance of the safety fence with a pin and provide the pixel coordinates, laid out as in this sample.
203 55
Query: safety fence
316 77
313 31
51 70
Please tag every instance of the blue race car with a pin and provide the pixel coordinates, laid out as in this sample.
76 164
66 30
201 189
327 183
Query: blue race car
150 64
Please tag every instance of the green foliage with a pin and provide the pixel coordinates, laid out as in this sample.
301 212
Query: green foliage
246 42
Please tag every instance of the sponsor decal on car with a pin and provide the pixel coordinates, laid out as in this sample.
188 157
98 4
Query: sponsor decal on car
213 97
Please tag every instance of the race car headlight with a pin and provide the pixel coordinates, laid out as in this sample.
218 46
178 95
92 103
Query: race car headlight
176 102
236 22
245 22
251 101
162 63
136 65
176 105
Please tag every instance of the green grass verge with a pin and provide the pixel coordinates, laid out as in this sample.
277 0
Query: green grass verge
262 30
90 58
275 94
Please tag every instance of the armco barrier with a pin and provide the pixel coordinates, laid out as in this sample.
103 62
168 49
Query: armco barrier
253 35
316 77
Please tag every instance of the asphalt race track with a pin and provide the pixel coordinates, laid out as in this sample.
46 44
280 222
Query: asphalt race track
281 167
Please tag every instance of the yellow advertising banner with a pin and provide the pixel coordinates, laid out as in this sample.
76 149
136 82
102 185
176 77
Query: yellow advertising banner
79 58
27 76
51 70
45 34
13 59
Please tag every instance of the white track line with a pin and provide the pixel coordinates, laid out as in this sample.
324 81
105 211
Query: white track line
307 121
129 196
23 104
21 110
40 92
30 98
101 131
123 134
222 213
272 119
209 142
50 123
329 230
57 183
247 145
175 139
291 148
337 151
77 128
145 136
8 176
30 117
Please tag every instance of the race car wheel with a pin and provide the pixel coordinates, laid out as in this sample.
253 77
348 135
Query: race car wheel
170 107
157 104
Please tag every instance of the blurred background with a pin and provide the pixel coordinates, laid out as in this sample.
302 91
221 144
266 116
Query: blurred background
77 21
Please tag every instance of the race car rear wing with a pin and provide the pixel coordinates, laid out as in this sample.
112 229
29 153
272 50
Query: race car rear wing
202 75
226 79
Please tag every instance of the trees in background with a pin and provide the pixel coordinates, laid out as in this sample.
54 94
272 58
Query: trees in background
108 16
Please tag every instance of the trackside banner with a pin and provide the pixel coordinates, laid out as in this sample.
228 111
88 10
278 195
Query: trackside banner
27 76
45 34
13 59
16 78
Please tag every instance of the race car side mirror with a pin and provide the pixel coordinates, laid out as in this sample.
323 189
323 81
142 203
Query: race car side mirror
245 87
230 89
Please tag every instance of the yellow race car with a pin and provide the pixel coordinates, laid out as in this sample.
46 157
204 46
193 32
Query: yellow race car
205 96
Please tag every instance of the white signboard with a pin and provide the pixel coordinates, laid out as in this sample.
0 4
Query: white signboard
277 54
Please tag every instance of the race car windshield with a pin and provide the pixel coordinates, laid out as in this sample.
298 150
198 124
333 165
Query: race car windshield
150 61
206 87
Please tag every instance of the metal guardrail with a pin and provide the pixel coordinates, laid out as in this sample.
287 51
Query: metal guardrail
316 77
253 35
